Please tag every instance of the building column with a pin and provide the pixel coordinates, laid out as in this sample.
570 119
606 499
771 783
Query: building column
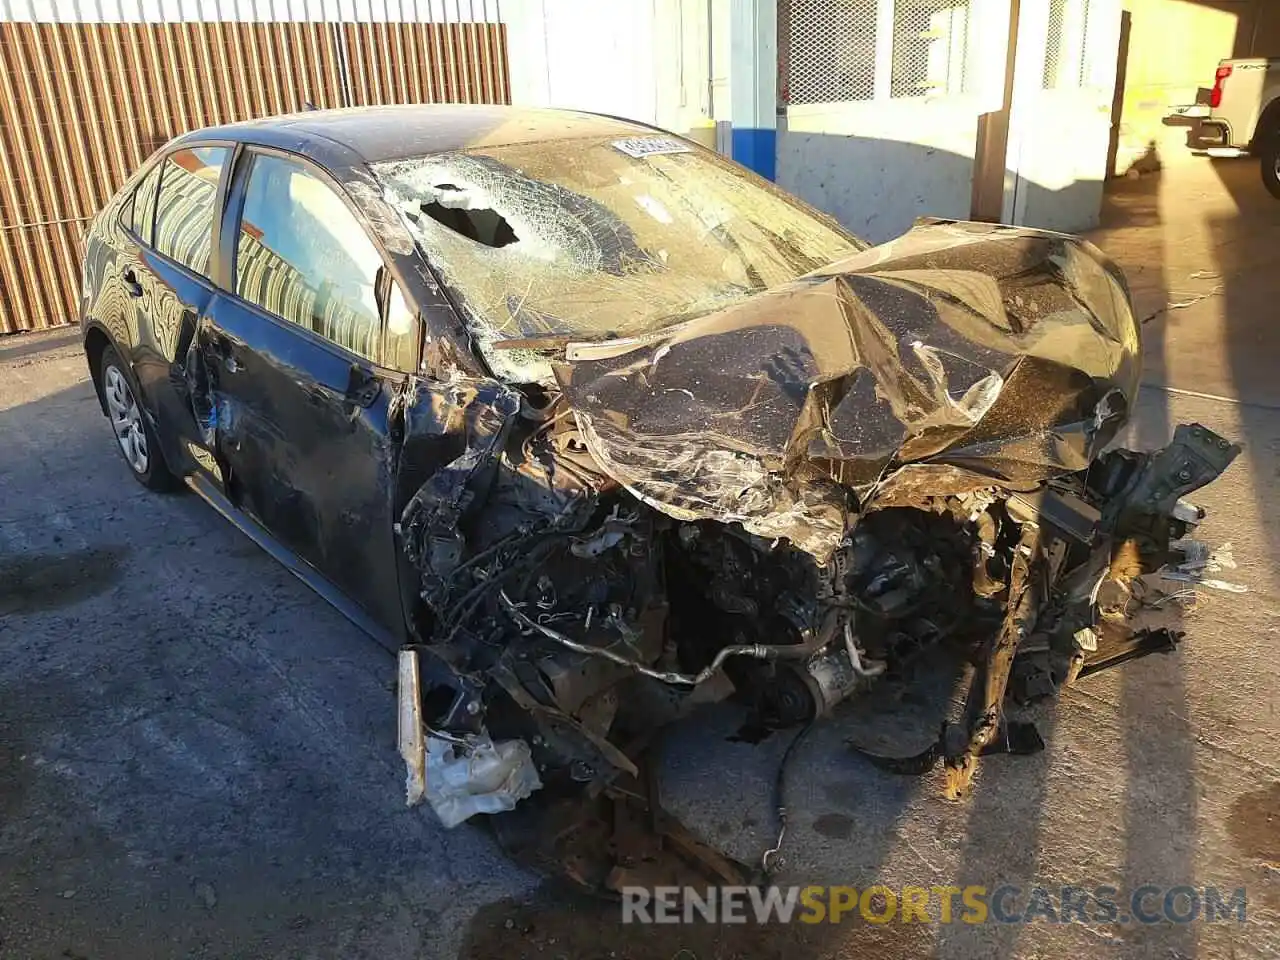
753 83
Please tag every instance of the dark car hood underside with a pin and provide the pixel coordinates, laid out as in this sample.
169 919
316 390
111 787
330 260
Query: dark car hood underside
957 357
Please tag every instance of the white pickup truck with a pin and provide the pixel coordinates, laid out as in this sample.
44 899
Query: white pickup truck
1242 115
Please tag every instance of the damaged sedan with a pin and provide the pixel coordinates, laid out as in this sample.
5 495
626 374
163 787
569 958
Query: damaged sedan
596 427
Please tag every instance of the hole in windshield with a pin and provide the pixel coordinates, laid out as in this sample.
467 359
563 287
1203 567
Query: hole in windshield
482 225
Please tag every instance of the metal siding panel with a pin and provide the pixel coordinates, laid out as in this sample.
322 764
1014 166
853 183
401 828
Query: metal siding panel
436 63
156 84
245 102
83 104
142 99
381 67
504 62
453 86
404 77
300 89
40 193
368 66
488 59
86 165
219 43
36 266
178 78
201 105
200 37
480 92
114 35
461 64
282 97
250 57
101 96
355 65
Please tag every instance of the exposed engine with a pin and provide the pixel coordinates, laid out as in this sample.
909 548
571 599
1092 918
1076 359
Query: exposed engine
905 454
562 612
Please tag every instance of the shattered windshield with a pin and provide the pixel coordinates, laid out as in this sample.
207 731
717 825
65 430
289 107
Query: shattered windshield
594 238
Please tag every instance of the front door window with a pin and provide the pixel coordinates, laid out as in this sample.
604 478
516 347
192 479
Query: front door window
303 256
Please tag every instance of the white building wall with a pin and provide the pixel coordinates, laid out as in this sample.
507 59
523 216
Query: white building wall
645 60
877 167
878 163
1060 129
583 54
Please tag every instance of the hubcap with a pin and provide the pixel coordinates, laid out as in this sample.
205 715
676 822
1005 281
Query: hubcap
126 419
1277 166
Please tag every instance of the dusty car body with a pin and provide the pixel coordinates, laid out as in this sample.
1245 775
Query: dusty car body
634 431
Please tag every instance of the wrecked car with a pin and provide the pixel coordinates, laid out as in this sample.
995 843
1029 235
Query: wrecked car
595 427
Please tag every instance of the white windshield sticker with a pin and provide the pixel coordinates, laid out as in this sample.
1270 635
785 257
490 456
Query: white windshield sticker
651 146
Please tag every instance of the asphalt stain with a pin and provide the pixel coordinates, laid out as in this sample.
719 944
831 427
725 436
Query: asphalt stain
555 923
31 583
846 793
1254 824
1254 827
15 772
834 825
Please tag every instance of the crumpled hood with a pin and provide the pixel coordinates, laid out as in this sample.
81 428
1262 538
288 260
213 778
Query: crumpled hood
977 354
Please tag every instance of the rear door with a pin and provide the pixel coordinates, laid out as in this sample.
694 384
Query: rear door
166 282
297 348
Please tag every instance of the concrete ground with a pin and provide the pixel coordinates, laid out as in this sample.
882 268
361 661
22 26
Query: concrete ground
197 755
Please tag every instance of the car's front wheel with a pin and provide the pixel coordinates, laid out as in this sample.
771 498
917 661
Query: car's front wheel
134 435
1269 152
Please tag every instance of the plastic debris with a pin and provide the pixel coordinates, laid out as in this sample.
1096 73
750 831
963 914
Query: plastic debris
487 778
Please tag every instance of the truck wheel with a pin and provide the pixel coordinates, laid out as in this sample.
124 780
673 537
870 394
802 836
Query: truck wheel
1270 157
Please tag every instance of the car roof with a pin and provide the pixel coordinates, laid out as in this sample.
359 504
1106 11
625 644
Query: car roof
377 134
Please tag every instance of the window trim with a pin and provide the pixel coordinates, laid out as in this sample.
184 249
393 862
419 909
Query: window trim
219 204
229 235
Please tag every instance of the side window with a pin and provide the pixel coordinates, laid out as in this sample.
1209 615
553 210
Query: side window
304 256
185 205
144 204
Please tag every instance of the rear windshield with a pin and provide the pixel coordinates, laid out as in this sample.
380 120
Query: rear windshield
596 238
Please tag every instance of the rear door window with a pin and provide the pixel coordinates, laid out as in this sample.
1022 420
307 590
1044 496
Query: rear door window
304 256
185 205
144 204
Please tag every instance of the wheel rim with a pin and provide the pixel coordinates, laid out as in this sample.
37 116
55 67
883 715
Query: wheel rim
1276 166
126 419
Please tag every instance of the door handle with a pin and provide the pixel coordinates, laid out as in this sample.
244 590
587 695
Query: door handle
131 284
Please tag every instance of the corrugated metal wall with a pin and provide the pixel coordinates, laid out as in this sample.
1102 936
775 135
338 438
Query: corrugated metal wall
83 104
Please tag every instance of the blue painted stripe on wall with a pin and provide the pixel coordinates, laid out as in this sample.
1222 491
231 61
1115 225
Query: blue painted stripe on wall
757 149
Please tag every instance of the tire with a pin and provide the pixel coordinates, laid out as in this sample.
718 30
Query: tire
135 438
1269 154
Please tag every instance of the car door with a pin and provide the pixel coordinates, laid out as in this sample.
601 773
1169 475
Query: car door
171 219
301 396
